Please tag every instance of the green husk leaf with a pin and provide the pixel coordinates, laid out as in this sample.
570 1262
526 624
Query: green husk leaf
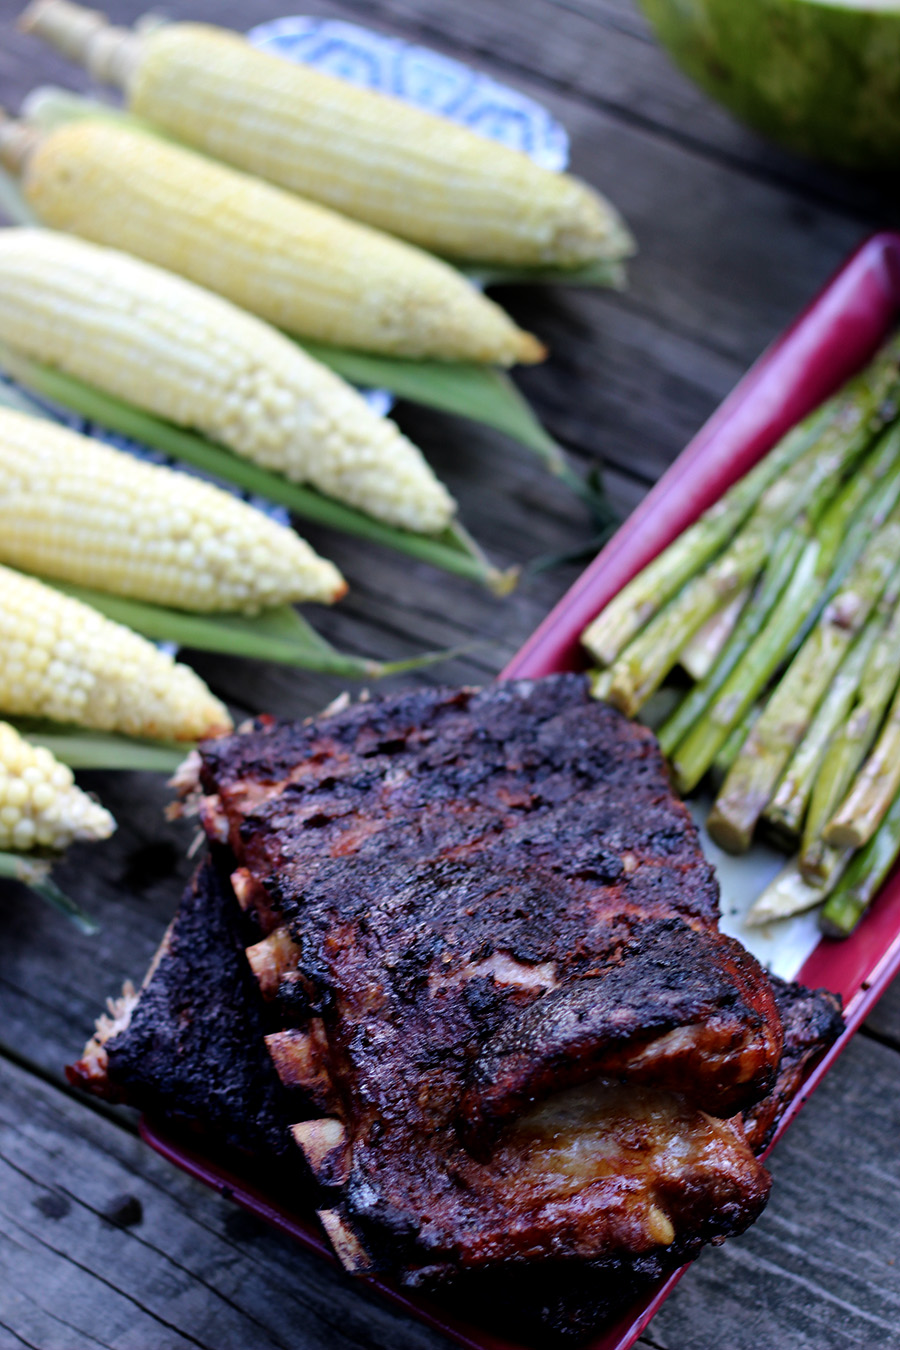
11 397
35 874
49 106
84 749
481 393
451 550
12 204
275 635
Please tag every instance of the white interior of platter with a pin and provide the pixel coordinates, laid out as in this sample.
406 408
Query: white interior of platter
781 947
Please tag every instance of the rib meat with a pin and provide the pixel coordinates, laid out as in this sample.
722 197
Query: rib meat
482 955
200 981
496 944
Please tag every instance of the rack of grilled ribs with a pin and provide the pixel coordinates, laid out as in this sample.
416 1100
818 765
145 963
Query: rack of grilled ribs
511 1045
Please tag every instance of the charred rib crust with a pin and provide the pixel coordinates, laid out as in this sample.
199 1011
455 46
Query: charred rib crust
812 1022
410 841
184 1053
495 893
552 1300
667 977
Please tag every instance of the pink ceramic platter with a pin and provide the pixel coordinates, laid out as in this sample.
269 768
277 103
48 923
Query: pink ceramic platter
832 339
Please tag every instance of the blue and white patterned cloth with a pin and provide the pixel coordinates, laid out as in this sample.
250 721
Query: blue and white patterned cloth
420 76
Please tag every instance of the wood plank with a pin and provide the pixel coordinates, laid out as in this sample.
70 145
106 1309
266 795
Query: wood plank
884 1022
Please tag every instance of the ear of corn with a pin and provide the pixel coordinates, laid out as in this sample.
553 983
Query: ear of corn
365 154
64 661
297 264
85 513
170 347
453 549
473 389
370 156
40 806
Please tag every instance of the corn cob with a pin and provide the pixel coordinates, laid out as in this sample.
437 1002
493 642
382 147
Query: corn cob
170 347
299 265
85 513
40 806
63 660
365 154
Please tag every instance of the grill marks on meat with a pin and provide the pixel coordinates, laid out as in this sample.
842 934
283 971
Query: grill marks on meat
497 908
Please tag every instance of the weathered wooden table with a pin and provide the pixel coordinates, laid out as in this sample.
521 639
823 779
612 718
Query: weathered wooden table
102 1243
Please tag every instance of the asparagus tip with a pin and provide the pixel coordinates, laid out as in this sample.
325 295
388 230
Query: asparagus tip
728 832
845 834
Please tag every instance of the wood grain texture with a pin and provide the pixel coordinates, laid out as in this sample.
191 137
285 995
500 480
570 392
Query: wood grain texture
885 1020
735 238
133 1255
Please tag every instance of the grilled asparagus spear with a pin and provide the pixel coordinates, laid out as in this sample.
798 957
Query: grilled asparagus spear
754 775
781 612
801 779
862 880
781 567
866 404
877 684
873 790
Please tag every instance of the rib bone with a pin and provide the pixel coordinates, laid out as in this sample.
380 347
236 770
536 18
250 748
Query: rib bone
298 1060
348 1248
324 1145
272 959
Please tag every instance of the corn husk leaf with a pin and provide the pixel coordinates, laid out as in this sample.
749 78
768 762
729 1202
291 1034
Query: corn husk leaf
13 206
453 550
49 106
480 393
12 397
81 748
600 272
35 874
280 634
